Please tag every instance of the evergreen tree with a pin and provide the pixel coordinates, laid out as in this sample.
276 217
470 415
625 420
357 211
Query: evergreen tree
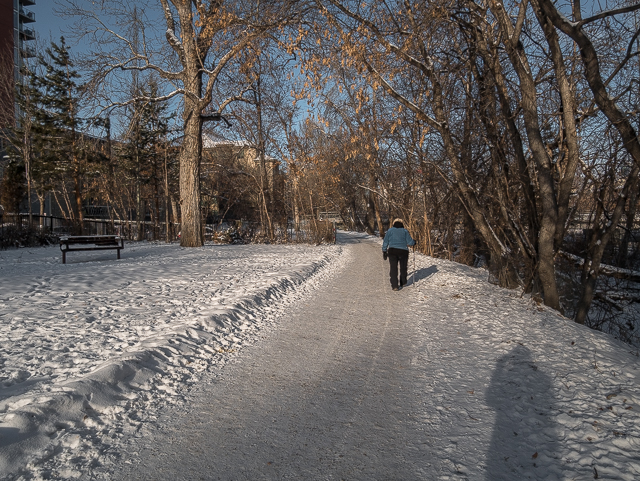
57 124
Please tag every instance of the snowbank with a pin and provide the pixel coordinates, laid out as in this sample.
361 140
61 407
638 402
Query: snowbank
92 351
519 391
88 346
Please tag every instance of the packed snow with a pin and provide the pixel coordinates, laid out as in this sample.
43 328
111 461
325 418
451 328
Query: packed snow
89 344
92 350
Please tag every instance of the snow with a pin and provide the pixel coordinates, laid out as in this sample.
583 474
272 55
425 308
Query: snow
94 350
208 142
560 401
87 344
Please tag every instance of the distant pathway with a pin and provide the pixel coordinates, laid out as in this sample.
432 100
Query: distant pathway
335 392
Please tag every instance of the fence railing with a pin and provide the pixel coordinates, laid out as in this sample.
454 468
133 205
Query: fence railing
313 231
64 226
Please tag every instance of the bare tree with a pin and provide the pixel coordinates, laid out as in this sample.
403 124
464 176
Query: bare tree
17 108
618 118
204 39
408 36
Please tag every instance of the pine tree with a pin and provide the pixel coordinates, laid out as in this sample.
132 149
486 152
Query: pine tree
57 123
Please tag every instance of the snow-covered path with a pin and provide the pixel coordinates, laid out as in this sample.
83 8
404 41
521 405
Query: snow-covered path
91 350
452 379
273 362
334 393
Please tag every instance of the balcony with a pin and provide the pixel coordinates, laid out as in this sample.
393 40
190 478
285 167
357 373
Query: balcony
27 3
27 33
27 16
27 51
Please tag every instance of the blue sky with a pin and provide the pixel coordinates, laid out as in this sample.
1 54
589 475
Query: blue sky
48 26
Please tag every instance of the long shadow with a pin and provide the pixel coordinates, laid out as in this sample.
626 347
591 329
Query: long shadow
525 439
421 274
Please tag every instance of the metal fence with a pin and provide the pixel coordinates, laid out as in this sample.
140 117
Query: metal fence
20 229
57 226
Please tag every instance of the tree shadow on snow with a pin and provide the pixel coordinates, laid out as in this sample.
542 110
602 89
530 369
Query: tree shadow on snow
525 439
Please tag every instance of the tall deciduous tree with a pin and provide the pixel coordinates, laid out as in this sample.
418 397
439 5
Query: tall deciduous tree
205 38
616 116
18 133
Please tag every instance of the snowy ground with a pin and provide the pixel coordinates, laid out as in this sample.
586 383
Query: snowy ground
96 350
88 346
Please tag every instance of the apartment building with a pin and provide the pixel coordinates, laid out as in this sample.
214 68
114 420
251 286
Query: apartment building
16 38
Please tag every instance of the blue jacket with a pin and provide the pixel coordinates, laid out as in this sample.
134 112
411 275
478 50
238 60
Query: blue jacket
398 238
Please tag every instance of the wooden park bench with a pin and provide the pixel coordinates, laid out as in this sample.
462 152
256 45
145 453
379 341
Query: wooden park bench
90 243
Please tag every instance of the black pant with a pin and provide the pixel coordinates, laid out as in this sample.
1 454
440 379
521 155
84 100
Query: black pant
398 256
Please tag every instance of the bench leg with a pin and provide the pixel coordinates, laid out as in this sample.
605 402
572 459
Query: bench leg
118 253
64 257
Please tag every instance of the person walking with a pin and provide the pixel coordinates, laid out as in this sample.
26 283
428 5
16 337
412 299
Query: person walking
395 246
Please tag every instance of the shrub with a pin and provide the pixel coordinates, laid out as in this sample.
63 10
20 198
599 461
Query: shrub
12 235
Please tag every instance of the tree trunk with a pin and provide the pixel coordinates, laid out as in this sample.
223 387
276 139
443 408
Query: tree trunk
265 181
167 201
77 180
546 192
71 212
55 196
40 196
567 170
296 210
139 204
156 212
467 247
174 210
27 170
376 205
191 229
630 223
371 214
